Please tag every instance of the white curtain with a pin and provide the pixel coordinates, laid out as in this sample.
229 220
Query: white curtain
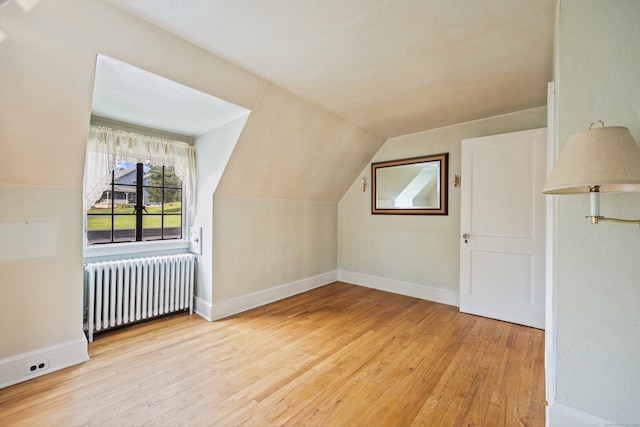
107 146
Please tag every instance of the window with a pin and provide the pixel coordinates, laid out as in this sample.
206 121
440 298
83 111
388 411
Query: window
137 188
143 202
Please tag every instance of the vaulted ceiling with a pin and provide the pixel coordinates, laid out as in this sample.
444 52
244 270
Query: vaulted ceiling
391 67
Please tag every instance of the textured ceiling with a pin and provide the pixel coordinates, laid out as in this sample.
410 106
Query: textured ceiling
390 66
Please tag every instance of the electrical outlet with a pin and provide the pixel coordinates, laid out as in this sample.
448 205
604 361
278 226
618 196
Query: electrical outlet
35 367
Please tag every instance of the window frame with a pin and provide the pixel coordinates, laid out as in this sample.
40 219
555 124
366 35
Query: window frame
139 245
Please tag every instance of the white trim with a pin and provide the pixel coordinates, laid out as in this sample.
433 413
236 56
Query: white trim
203 308
551 233
242 303
13 369
566 416
429 293
131 248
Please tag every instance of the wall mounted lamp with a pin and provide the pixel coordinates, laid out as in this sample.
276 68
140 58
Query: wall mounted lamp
602 159
365 185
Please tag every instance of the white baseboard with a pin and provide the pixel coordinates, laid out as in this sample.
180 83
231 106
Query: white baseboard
203 308
429 293
15 369
565 416
242 303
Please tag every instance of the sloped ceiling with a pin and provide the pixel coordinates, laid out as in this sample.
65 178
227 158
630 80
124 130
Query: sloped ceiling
391 67
129 94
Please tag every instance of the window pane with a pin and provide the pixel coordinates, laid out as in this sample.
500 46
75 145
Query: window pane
153 185
98 229
124 197
125 209
170 178
124 228
151 227
172 201
173 226
103 204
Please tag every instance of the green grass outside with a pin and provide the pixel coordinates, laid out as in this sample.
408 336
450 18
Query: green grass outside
129 221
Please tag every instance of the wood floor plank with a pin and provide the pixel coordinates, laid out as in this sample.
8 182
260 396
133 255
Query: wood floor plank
339 355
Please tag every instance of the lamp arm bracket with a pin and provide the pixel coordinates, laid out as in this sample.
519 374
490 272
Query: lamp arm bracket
597 219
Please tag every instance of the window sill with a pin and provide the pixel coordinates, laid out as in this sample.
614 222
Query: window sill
134 248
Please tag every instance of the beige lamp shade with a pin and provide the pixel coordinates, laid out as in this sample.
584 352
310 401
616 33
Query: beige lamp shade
608 157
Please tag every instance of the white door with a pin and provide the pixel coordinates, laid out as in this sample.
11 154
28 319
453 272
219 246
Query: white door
502 247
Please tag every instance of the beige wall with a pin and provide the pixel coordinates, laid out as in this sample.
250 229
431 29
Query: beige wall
291 150
275 210
40 301
263 243
421 249
598 273
213 152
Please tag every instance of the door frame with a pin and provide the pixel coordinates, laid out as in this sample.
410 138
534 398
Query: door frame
551 244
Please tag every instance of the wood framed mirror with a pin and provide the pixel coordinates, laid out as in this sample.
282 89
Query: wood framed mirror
415 186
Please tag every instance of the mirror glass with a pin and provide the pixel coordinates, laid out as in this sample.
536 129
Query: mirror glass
410 186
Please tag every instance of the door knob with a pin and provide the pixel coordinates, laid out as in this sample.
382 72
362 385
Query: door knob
465 236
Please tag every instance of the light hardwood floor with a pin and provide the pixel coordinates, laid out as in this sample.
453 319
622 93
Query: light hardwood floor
340 355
